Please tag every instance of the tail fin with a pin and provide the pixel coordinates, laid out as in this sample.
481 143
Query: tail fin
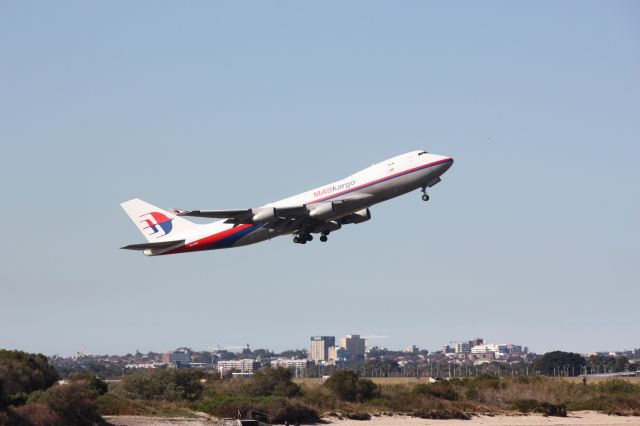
154 223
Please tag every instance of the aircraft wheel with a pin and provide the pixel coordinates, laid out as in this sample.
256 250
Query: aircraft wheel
323 238
309 237
303 241
425 197
296 240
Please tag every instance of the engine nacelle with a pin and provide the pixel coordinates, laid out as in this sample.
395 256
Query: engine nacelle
321 211
263 214
357 217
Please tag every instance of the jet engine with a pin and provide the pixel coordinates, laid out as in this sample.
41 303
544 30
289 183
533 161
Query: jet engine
357 217
263 214
321 211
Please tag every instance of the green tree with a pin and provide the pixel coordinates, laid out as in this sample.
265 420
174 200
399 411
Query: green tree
273 382
168 385
560 363
23 373
347 386
99 385
73 403
621 364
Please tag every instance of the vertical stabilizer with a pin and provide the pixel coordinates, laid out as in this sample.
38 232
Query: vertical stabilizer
156 224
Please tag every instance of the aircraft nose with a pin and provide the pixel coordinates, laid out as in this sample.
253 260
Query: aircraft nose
448 161
444 163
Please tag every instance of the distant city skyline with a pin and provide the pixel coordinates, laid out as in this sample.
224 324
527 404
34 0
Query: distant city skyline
238 349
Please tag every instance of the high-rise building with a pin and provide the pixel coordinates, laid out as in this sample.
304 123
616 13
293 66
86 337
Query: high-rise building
354 344
476 341
180 357
320 348
462 347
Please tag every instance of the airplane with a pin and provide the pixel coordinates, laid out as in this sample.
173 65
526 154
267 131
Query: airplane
322 210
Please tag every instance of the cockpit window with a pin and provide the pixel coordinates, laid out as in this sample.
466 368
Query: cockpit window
422 152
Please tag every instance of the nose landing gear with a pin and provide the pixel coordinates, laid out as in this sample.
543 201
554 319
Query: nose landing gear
425 196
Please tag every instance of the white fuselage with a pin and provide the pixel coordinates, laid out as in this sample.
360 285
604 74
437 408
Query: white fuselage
380 182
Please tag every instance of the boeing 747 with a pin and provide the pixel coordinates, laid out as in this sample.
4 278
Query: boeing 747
319 211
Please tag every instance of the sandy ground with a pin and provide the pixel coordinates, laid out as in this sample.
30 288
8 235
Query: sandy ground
575 418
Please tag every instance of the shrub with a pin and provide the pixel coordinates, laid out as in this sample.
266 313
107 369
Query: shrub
273 382
167 385
296 413
485 381
442 390
34 415
22 372
99 385
348 387
268 408
73 403
618 387
535 406
115 405
228 405
442 414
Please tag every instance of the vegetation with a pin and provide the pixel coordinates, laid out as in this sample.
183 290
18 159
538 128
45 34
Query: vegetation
29 395
348 387
558 363
165 385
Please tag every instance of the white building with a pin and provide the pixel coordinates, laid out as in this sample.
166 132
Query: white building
298 364
240 365
485 348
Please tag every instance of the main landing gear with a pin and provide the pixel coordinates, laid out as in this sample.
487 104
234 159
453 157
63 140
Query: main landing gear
425 196
303 237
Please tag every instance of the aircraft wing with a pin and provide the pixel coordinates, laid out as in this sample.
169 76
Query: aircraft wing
257 215
278 217
214 214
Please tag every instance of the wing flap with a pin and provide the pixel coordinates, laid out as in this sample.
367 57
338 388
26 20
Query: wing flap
214 214
246 215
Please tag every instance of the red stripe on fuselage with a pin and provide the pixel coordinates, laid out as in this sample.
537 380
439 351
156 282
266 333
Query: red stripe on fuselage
204 243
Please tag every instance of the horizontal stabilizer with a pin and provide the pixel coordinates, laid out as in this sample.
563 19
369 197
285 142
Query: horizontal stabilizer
154 246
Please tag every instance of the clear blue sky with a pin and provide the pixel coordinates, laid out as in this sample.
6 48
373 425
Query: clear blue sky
531 238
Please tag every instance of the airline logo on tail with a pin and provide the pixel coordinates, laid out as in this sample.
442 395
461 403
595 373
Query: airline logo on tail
157 222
